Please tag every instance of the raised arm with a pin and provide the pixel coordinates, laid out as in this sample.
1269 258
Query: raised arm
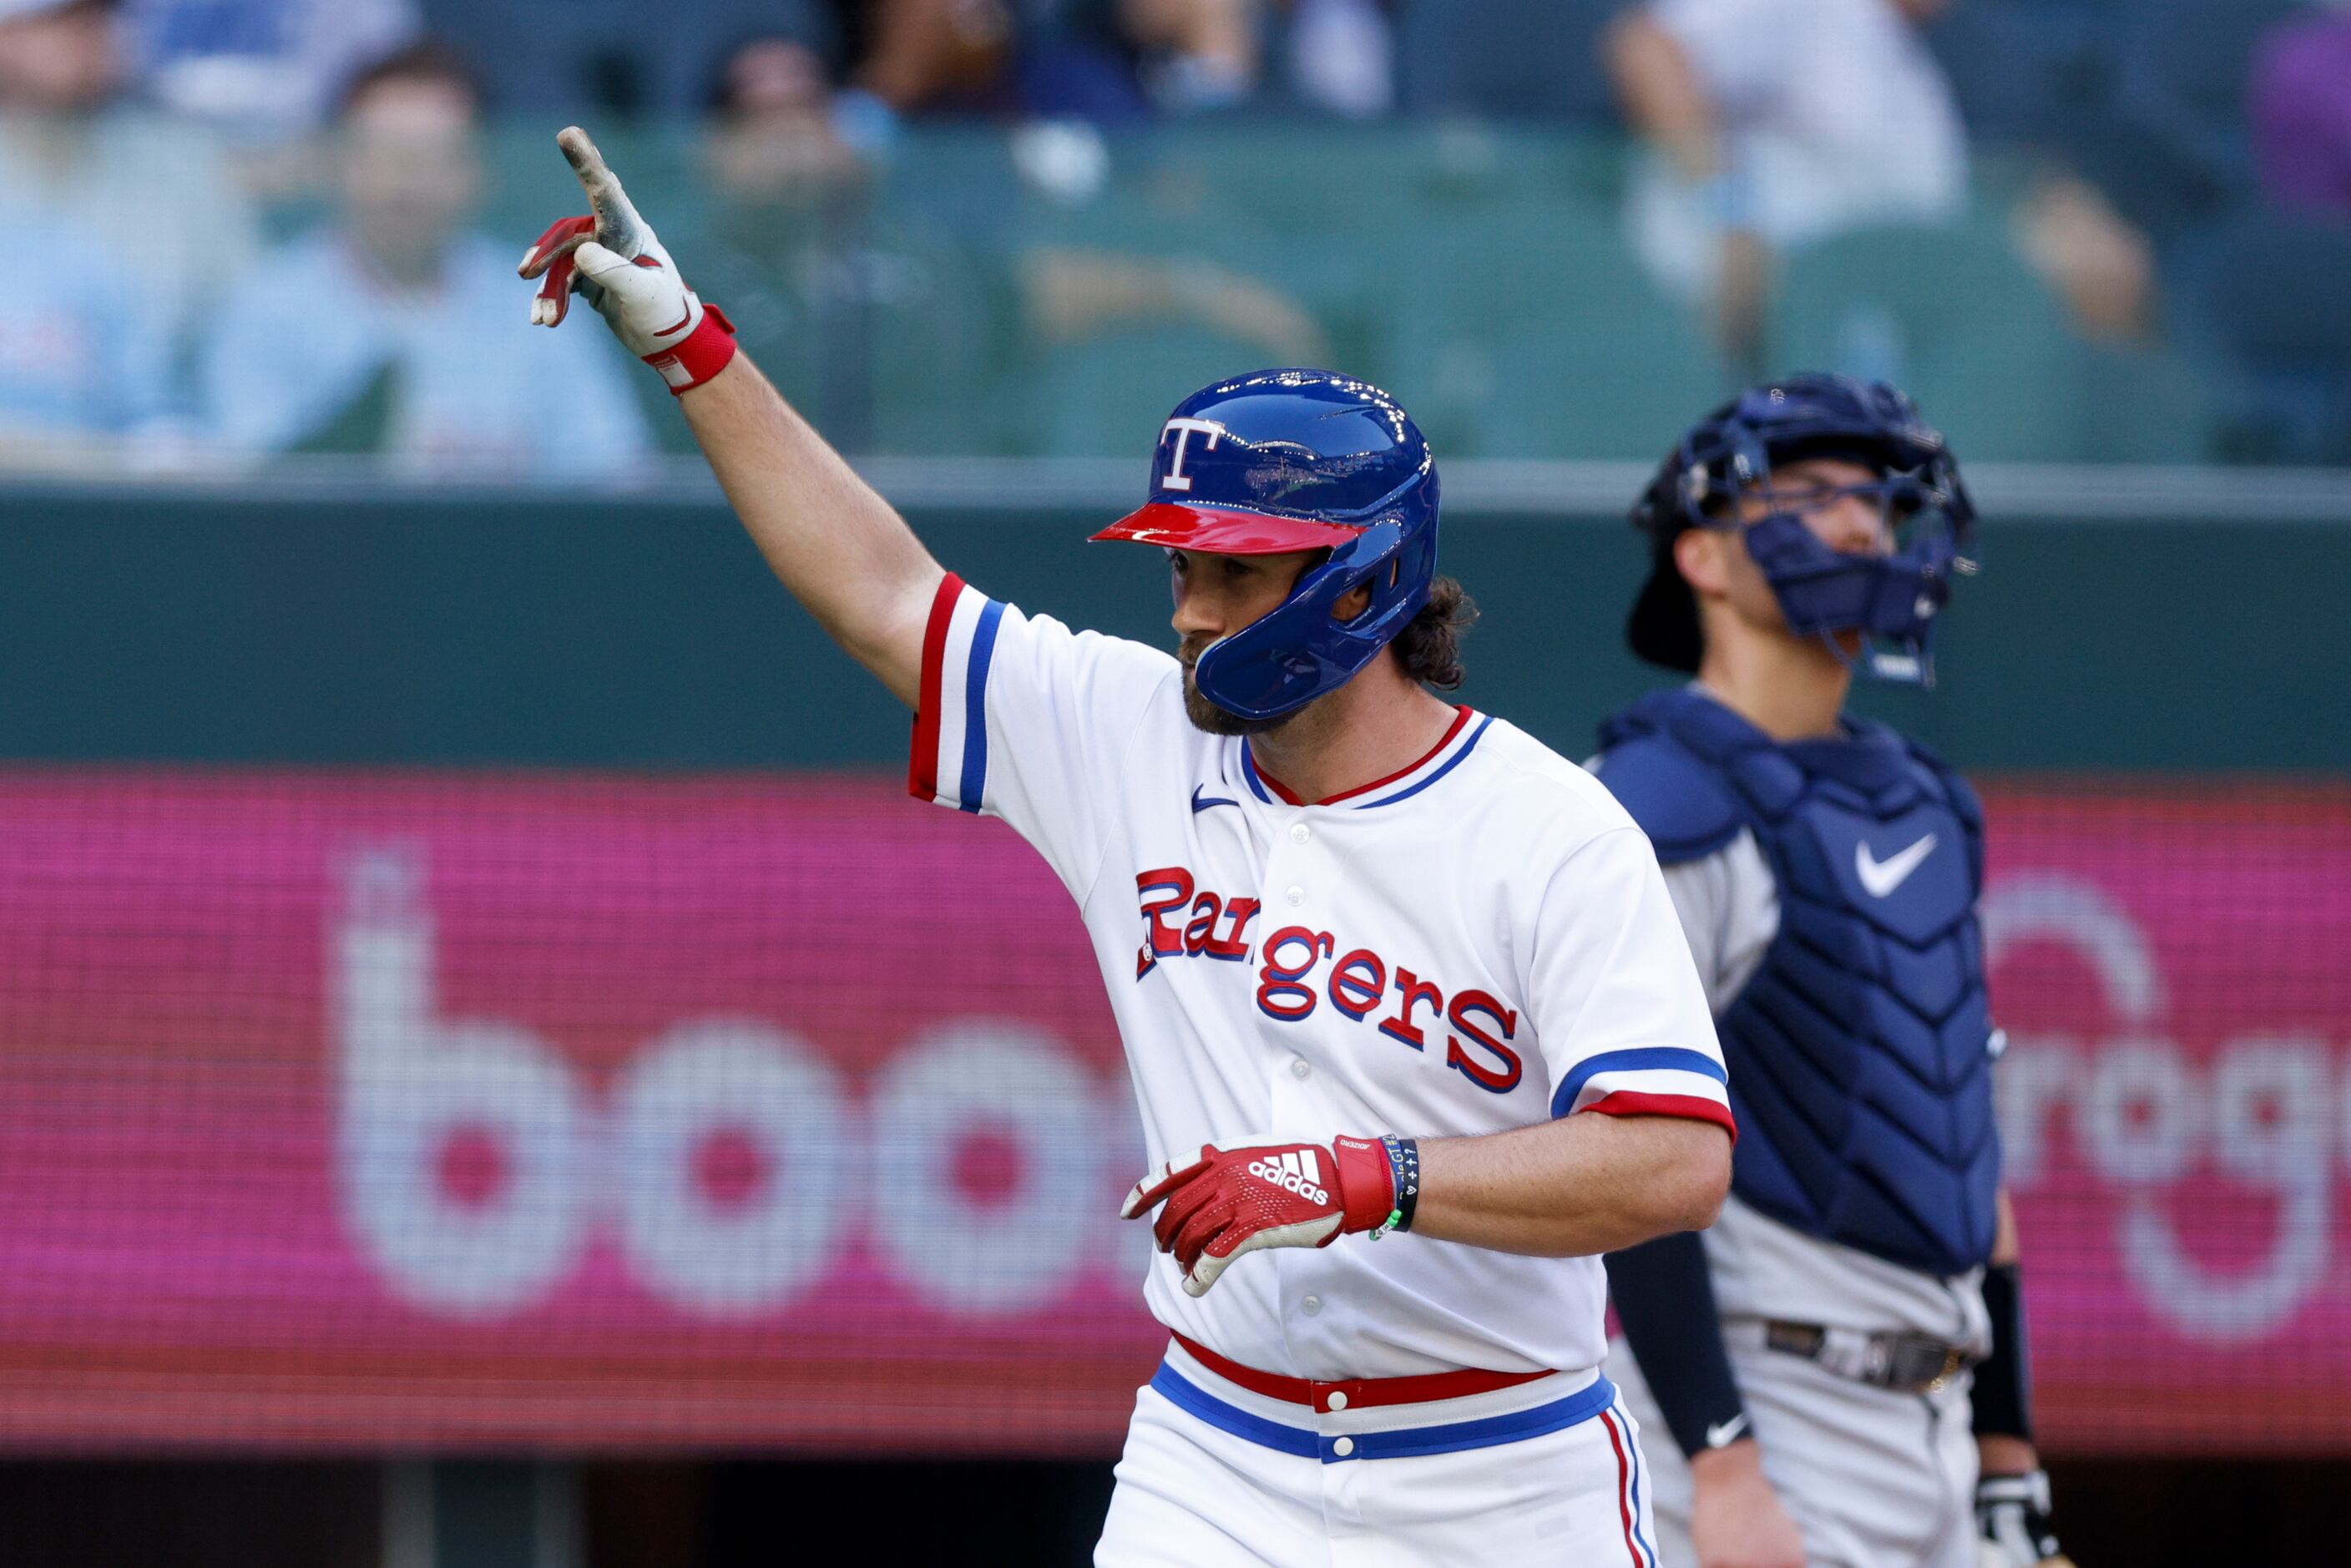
1661 93
841 549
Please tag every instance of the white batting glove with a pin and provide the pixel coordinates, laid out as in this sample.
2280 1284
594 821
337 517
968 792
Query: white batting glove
613 261
2013 1521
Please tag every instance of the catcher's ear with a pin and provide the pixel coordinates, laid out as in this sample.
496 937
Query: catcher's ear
1700 557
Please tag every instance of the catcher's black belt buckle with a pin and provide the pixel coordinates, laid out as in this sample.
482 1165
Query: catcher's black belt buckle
1904 1363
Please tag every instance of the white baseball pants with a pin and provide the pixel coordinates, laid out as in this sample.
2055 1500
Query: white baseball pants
1216 1474
1873 1479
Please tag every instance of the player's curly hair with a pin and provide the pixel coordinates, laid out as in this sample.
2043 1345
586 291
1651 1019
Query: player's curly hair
1430 644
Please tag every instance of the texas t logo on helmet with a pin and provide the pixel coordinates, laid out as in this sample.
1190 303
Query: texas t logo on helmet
1183 430
1297 460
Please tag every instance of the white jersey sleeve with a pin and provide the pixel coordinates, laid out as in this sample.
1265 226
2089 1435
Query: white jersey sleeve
1633 1035
1740 51
1021 719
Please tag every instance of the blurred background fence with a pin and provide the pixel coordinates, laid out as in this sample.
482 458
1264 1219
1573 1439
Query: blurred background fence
469 979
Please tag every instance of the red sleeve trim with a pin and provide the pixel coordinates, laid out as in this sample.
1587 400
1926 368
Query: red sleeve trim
923 761
1690 1107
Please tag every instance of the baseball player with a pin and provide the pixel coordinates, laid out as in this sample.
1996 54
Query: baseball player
1812 1355
1406 1005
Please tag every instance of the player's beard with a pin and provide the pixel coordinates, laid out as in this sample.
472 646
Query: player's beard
1205 714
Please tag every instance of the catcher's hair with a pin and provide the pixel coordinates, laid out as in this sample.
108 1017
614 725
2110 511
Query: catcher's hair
1430 646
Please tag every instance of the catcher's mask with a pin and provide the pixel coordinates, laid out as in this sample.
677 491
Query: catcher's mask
1891 600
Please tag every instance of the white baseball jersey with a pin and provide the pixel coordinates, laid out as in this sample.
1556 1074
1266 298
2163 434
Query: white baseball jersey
1468 946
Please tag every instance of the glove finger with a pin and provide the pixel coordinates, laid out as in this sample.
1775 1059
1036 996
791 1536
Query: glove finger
617 224
1205 1271
552 299
632 283
1188 1201
1230 1243
1201 1229
562 237
1152 1188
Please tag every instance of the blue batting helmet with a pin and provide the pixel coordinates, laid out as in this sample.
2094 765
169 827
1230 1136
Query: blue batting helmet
1892 599
1294 460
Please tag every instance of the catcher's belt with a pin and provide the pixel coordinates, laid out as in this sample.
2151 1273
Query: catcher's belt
1904 1363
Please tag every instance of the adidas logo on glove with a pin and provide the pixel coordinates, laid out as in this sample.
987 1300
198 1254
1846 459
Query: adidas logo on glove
1297 1171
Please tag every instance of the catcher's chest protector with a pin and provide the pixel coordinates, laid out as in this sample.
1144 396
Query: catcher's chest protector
1859 1052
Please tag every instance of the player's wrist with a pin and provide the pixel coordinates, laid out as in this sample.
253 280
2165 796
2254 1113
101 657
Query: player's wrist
1735 1462
1367 1184
1999 1455
698 356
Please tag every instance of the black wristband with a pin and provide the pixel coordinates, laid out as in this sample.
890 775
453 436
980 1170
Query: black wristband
2001 1404
1404 1170
1665 1303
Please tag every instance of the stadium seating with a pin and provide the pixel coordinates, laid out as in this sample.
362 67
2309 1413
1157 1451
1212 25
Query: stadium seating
1507 58
578 58
1537 335
2269 296
2018 67
1955 316
2168 138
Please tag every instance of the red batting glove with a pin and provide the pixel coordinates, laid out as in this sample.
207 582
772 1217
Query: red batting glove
1262 1192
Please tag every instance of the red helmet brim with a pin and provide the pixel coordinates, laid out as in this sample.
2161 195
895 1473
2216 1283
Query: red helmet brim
1221 531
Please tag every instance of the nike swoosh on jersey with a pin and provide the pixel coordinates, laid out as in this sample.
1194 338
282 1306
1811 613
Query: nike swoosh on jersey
1200 805
1880 877
1724 1433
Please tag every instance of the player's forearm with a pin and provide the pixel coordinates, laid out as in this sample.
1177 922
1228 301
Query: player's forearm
835 544
1661 95
842 551
2008 1453
1573 1187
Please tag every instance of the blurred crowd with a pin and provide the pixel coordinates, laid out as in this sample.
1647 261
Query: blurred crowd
254 227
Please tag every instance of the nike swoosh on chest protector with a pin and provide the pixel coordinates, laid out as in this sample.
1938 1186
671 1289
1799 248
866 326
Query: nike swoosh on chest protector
1881 877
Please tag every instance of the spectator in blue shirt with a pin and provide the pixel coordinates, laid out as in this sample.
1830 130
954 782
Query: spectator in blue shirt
84 345
395 328
84 369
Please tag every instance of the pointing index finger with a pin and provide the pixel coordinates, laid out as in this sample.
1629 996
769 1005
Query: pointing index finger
616 217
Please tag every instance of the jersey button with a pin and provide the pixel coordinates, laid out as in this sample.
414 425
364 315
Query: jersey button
1338 1400
1298 1068
1310 1305
1344 1447
1296 895
1300 832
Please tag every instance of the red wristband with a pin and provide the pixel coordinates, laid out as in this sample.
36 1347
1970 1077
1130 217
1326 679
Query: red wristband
1366 1183
700 355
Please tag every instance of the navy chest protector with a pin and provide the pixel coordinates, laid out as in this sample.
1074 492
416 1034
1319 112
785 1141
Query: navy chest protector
1859 1054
